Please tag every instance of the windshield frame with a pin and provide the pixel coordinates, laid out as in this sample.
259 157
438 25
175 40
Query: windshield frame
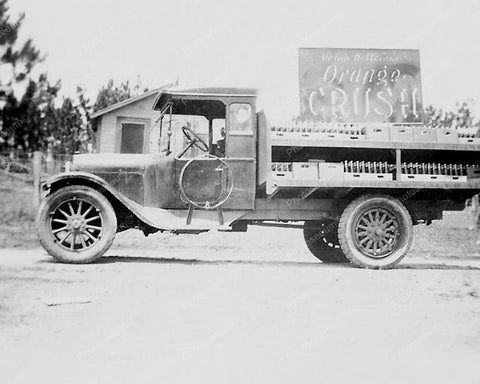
168 106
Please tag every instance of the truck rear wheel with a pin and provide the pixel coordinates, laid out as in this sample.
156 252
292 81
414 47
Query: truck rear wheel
76 224
321 238
375 232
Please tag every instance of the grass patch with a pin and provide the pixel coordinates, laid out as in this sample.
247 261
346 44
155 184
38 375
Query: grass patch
17 215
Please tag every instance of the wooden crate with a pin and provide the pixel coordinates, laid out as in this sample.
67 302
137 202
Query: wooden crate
284 135
330 171
368 176
473 172
378 133
447 135
428 178
402 134
305 171
329 136
277 175
455 179
469 140
281 171
424 135
347 137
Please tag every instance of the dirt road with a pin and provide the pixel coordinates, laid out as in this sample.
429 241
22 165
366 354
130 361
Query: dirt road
240 308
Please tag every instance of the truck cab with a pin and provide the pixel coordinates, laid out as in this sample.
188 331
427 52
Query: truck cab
213 131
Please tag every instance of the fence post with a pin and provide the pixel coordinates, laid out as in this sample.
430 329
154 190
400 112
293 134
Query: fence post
50 163
37 173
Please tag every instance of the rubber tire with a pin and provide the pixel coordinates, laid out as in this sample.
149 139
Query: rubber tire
348 217
109 223
319 247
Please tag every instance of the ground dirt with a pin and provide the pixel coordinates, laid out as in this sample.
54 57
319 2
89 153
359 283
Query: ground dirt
17 215
250 307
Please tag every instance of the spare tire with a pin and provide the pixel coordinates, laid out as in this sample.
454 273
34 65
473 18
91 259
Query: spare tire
321 238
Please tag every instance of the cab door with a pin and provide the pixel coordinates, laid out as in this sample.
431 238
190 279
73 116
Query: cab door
240 153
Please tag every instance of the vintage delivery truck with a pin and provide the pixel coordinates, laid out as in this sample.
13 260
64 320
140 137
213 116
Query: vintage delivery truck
356 190
355 171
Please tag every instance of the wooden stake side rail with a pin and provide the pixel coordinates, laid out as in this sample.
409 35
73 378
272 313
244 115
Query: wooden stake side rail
275 142
288 183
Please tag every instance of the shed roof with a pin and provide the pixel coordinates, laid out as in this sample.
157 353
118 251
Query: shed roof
123 103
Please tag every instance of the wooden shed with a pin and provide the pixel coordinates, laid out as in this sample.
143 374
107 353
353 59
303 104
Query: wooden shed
126 127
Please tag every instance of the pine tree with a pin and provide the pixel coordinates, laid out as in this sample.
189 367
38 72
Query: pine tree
16 60
71 131
16 63
111 94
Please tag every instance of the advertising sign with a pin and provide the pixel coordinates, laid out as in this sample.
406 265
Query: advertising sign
360 85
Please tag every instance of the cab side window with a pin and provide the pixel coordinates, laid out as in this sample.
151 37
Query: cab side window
218 138
240 119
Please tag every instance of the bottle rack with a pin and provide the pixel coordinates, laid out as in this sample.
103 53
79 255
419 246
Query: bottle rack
320 131
368 170
376 174
337 155
413 135
434 172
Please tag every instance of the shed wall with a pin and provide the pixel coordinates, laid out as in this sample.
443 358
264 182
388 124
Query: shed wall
109 126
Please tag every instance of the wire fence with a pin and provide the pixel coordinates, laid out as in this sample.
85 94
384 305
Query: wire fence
19 165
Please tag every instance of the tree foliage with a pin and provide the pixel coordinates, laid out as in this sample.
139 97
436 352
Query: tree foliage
36 119
111 93
21 115
16 60
461 117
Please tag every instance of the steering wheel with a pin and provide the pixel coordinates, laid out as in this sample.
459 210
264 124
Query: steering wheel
194 139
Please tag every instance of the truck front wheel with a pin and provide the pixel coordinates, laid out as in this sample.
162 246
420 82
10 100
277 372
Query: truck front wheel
76 224
321 238
375 232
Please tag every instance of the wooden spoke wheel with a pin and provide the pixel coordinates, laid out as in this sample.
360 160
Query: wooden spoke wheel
375 231
77 224
321 238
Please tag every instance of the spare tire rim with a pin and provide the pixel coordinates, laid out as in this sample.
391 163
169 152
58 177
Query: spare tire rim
221 172
328 232
376 232
76 225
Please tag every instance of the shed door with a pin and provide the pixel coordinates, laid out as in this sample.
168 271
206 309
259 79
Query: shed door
132 138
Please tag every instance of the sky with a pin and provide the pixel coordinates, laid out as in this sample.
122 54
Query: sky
249 43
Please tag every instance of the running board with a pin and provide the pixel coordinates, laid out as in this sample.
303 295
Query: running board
179 220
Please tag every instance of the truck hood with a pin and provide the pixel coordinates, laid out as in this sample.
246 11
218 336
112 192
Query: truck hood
114 162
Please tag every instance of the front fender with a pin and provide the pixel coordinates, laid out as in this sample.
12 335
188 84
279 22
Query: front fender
82 178
116 198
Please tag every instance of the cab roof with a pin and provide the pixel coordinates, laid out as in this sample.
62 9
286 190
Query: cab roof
214 92
208 102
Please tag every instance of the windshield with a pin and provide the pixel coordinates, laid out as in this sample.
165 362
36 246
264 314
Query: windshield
195 134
